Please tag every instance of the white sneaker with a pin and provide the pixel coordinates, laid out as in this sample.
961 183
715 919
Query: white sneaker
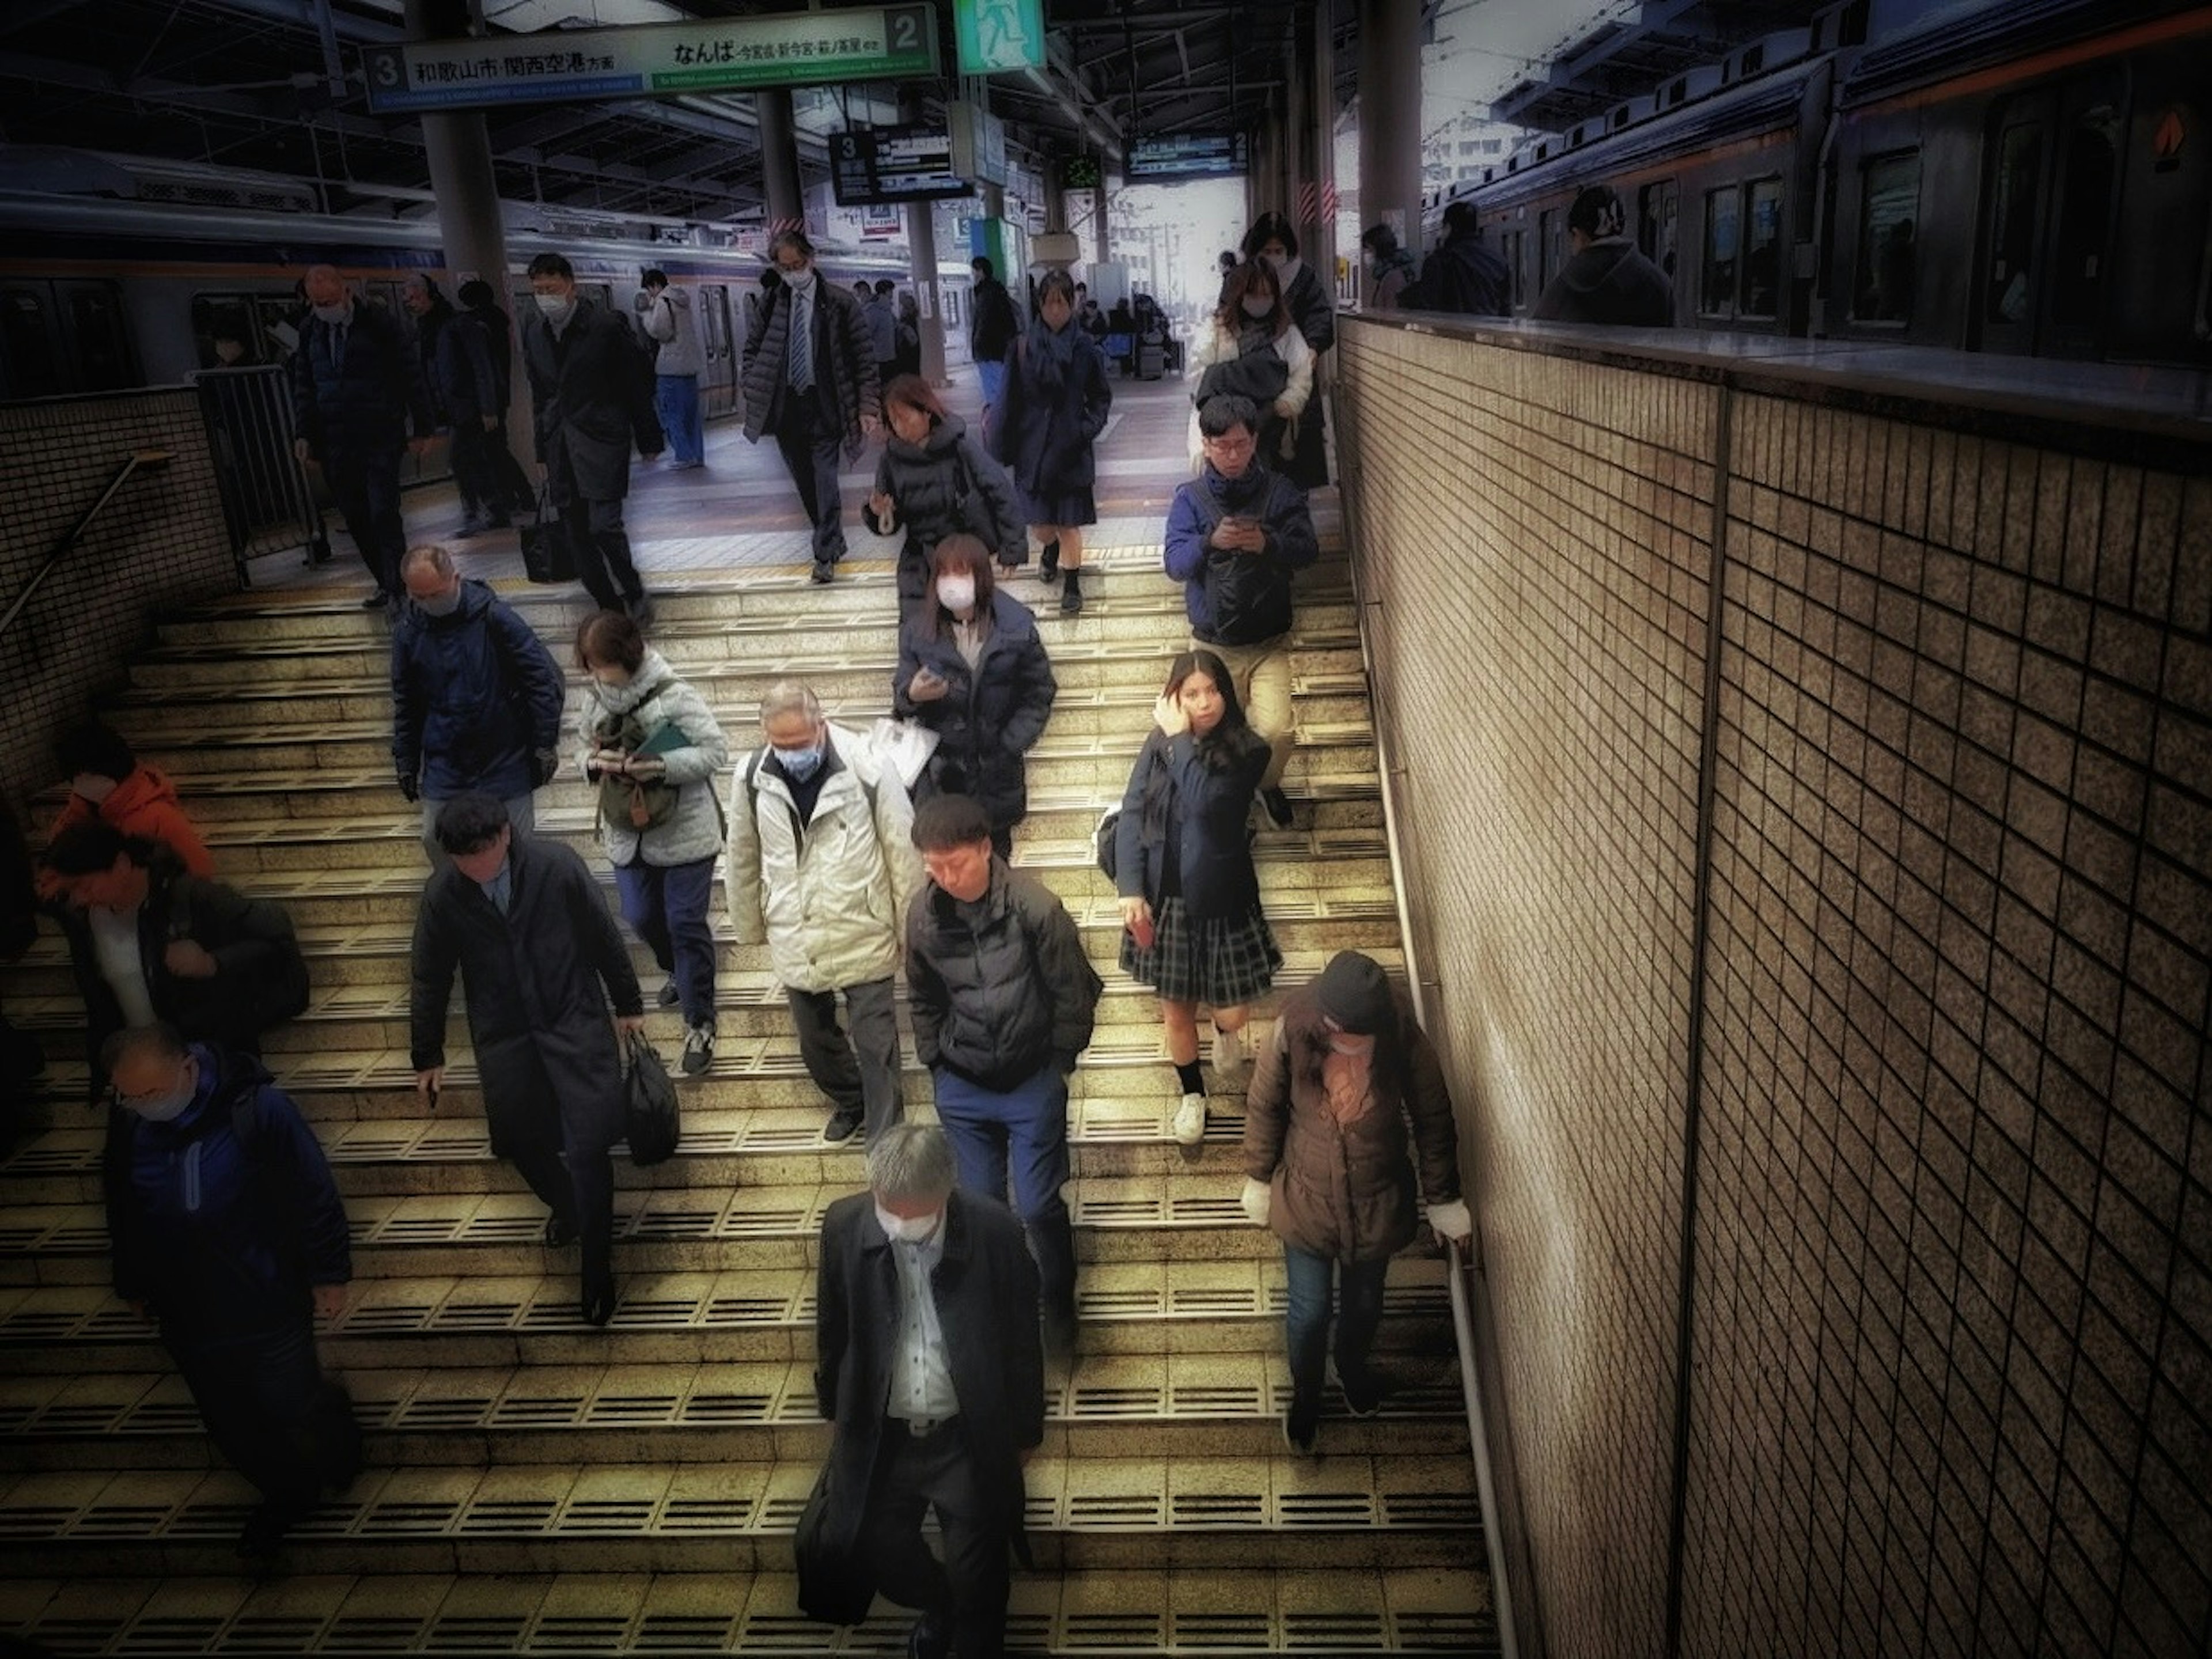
1190 1120
1231 1056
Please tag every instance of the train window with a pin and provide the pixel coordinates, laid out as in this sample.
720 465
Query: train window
1724 246
1658 206
2012 241
225 332
29 344
1889 219
1548 251
2089 180
1513 240
1762 249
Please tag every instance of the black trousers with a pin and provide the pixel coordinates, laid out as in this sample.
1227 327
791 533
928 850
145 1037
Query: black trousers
516 491
366 486
594 530
811 449
269 1410
968 1589
579 1188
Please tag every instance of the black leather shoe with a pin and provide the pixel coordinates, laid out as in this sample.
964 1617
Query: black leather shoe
1302 1426
670 996
1362 1392
929 1638
599 1304
376 601
842 1126
824 569
559 1233
1276 806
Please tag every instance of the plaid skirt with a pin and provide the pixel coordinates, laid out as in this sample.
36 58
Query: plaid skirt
1223 964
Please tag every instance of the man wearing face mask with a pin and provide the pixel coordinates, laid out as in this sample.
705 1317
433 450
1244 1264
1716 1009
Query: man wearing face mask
927 1362
227 1229
356 385
591 394
108 782
475 696
820 865
1326 1166
811 379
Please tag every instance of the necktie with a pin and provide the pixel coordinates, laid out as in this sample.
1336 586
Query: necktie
338 343
802 345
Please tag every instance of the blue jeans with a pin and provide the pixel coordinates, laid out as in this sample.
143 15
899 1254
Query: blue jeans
994 376
667 906
676 397
1024 1128
1306 1316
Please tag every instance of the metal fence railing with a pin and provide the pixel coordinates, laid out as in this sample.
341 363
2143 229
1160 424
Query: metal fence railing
268 503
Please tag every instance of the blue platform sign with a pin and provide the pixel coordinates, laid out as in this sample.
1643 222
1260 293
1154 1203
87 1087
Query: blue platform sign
998 34
867 43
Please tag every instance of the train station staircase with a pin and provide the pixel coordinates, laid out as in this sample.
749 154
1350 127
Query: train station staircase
537 1486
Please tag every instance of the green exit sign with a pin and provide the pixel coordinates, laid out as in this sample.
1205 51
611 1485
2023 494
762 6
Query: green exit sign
998 34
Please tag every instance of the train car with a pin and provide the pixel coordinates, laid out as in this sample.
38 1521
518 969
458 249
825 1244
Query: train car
98 295
2017 176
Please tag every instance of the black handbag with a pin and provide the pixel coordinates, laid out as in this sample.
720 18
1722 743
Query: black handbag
547 553
652 1122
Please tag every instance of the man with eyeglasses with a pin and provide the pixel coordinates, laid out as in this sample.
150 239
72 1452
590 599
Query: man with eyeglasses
1238 535
811 379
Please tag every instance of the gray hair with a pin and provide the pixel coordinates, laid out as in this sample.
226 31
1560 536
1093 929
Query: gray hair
160 1039
790 697
910 1160
434 554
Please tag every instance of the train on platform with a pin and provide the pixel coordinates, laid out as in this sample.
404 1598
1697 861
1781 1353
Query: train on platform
99 293
2021 177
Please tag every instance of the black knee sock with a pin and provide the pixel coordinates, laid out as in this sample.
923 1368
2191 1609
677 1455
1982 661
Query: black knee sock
1189 1075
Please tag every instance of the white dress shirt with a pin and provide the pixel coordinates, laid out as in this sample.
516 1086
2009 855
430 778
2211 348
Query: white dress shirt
921 1369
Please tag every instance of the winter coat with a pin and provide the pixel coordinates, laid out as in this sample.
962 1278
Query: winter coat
499 339
457 364
1347 1191
1609 283
1233 597
364 403
986 1292
831 896
993 321
222 1232
475 697
947 485
668 320
143 804
590 394
655 697
1044 434
844 362
1394 273
995 1000
260 978
990 716
537 982
1313 308
882 329
1278 433
1463 275
1180 814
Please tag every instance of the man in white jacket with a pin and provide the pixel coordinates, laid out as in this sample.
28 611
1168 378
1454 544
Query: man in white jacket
821 866
666 313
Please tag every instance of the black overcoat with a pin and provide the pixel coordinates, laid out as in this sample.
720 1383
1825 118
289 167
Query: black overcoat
590 394
538 982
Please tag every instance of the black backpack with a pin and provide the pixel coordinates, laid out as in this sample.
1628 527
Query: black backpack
1102 845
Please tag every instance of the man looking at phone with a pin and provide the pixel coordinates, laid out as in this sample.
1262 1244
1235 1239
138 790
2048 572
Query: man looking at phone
1237 535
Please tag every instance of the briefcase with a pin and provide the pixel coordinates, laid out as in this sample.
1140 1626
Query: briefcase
547 555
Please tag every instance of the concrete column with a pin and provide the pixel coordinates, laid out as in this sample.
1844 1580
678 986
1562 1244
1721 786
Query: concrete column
1321 133
779 143
1294 135
921 249
1390 123
1055 204
458 149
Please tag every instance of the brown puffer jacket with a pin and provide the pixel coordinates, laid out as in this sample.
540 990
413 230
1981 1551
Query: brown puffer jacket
1347 1191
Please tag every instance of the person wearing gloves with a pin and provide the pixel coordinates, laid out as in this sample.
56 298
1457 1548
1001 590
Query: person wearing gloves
476 697
665 314
651 746
1327 1168
1253 351
935 481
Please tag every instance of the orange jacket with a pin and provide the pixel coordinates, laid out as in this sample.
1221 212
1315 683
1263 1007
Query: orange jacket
143 804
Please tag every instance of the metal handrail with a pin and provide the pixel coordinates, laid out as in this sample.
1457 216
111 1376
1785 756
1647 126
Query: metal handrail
1459 1258
146 459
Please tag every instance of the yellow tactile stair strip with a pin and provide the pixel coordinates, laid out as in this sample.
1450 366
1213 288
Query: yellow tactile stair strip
633 1489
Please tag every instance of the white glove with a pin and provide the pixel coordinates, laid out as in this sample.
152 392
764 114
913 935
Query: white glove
1451 1220
1255 1199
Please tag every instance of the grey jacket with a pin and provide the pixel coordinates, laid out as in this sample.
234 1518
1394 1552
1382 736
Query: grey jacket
656 697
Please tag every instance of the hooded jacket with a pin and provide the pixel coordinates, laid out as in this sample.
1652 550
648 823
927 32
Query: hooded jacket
990 716
944 484
829 896
1395 272
143 804
668 319
1463 275
475 696
655 697
1608 283
1000 989
1233 597
225 1218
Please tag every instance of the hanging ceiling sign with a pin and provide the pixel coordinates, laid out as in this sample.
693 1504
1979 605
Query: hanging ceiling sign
894 164
869 43
1188 156
998 34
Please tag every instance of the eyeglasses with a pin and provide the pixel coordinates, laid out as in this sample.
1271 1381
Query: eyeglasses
1230 446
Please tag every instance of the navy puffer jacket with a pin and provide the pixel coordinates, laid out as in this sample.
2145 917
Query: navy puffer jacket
990 716
475 696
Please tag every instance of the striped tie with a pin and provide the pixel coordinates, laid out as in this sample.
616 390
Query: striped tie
802 345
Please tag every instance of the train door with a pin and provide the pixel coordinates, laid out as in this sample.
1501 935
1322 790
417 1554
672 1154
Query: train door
99 342
718 388
2050 205
58 338
1658 206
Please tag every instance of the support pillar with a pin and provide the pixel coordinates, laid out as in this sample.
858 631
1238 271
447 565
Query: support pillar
921 250
1320 135
779 143
1294 139
1390 124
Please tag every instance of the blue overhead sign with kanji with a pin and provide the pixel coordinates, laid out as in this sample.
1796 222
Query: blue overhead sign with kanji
868 43
998 34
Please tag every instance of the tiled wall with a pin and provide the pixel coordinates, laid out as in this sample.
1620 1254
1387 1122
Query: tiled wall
160 542
1951 1304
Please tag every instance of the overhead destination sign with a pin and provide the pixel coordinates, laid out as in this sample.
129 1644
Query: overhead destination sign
1189 156
869 43
894 164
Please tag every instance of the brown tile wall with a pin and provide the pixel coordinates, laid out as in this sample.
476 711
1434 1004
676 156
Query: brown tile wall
1952 1315
160 542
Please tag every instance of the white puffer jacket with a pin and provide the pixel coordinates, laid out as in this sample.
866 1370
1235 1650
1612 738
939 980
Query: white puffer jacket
829 899
669 320
657 698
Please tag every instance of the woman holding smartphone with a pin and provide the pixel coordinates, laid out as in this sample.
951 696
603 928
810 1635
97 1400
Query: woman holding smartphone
972 667
1190 898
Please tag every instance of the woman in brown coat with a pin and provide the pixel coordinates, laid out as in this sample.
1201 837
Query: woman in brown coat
1326 1166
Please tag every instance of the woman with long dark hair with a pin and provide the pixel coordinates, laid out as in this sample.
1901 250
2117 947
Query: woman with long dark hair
1055 405
1313 308
1190 898
1253 349
935 481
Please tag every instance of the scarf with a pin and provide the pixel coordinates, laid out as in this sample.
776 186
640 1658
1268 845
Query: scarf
1051 354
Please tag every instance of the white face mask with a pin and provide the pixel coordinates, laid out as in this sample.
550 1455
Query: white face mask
956 593
555 307
93 786
799 281
169 1107
1259 310
442 605
337 313
908 1230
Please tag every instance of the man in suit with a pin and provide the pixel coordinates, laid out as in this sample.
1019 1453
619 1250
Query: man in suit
930 1365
